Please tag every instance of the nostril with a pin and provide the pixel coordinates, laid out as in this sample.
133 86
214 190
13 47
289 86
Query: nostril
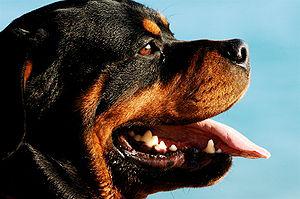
242 55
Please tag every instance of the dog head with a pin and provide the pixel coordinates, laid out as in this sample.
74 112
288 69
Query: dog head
105 86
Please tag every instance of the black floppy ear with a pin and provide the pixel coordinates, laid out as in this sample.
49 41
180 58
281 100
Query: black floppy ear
15 70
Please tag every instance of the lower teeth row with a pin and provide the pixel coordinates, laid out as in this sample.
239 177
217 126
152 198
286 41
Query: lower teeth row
152 142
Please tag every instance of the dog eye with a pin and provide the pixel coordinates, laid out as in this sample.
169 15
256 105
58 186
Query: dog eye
149 49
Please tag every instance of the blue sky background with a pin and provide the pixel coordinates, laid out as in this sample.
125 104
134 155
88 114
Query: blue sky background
270 112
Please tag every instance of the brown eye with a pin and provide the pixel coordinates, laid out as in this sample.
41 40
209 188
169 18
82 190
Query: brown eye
147 50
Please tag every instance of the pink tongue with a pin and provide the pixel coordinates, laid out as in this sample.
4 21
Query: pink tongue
237 143
225 138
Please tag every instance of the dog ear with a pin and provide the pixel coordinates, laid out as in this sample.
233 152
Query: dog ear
15 70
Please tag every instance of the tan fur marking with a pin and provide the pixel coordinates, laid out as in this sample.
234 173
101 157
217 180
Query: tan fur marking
223 83
95 147
87 103
151 27
27 71
99 167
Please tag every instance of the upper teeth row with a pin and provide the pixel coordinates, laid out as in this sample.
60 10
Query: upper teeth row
152 141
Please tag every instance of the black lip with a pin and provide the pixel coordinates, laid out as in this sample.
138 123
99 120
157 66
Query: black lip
190 158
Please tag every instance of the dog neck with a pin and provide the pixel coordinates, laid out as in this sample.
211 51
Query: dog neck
29 167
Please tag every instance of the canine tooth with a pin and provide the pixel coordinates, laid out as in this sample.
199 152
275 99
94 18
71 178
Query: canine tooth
210 148
219 151
131 133
173 148
147 136
137 138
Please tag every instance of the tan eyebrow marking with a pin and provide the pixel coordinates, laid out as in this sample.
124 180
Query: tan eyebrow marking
164 20
151 27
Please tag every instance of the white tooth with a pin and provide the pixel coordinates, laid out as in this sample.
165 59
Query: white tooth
147 136
137 138
210 148
150 140
131 133
154 140
219 151
161 147
173 148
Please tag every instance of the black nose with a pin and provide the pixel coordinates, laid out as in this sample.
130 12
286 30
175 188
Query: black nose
235 50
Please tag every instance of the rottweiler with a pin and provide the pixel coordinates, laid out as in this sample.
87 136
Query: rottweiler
101 101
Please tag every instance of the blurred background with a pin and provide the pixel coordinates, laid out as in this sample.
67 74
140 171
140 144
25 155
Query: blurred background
269 114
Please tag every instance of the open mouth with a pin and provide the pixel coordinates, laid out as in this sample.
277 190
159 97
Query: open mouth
172 146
